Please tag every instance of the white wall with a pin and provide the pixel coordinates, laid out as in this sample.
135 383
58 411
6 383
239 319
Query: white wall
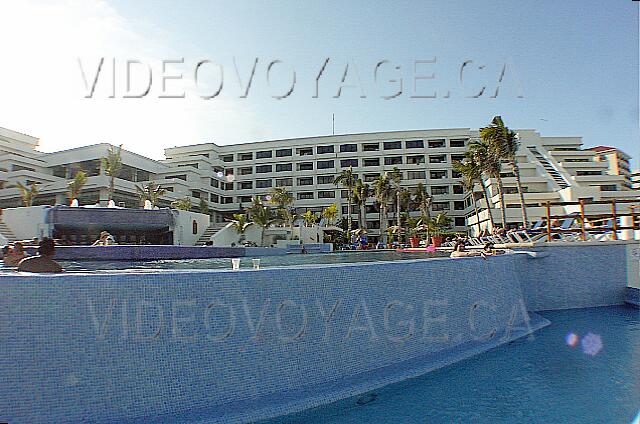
27 222
183 230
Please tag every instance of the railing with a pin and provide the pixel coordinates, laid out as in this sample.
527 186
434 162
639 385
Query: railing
590 219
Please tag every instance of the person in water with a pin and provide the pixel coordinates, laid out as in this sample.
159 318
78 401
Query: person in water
460 251
105 239
14 255
43 262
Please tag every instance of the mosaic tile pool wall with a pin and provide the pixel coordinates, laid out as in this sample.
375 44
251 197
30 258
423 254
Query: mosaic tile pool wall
236 346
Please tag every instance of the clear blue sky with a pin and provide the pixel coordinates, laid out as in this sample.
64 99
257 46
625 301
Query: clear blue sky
576 63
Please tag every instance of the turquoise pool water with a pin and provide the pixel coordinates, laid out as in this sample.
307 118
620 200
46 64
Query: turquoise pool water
539 379
245 263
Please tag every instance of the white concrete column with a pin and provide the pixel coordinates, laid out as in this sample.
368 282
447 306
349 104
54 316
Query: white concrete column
625 221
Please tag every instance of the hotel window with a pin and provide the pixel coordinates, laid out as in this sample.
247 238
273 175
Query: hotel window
438 175
305 166
416 175
460 221
415 160
168 188
245 185
227 200
437 158
371 162
439 190
176 177
348 148
458 205
193 165
440 206
344 194
456 174
227 186
283 152
435 144
305 195
282 167
245 199
459 142
227 158
393 160
305 151
245 156
392 145
458 189
246 171
414 144
263 154
304 181
324 164
345 163
325 179
371 147
609 187
373 225
284 182
372 208
263 183
324 149
370 177
214 183
326 194
195 193
457 158
214 198
582 173
263 169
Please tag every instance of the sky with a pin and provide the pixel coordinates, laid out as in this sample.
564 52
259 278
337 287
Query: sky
565 68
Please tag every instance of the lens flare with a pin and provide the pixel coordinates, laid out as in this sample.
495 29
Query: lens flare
572 339
591 344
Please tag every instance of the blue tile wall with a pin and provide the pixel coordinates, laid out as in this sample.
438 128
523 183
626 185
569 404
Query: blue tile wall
223 346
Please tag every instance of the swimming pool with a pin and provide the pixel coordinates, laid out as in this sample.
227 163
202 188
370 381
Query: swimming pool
201 345
245 263
536 379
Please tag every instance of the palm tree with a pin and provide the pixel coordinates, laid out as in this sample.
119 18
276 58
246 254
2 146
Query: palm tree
422 199
310 218
382 192
263 217
182 204
75 185
395 178
347 180
490 165
240 223
504 144
283 199
471 159
330 213
28 193
470 175
151 192
361 192
112 165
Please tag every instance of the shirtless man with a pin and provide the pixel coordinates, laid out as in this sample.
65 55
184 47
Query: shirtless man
43 262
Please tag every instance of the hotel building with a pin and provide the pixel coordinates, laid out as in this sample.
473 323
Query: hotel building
226 177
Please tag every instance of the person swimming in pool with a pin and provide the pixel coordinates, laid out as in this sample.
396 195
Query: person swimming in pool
460 251
14 255
43 262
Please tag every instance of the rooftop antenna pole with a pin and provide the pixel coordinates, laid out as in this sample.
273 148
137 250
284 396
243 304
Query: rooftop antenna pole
333 124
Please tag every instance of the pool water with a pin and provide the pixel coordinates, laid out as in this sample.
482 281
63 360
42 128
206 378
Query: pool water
245 262
549 377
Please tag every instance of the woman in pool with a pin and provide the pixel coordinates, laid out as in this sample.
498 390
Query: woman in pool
14 255
460 251
105 239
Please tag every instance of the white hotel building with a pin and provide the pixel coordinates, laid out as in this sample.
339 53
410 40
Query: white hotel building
226 177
